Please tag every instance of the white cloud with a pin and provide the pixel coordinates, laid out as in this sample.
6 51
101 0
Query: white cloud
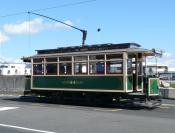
3 38
30 27
168 59
166 54
9 60
25 27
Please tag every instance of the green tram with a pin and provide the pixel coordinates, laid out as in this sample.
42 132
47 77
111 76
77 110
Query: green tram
103 72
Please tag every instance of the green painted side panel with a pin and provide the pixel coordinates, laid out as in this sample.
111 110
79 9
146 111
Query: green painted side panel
154 86
79 82
130 83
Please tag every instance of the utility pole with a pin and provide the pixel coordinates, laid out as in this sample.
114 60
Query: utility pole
84 32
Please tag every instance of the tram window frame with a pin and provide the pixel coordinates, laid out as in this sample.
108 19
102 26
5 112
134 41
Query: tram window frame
80 69
97 57
38 60
51 72
94 68
129 66
51 59
83 58
39 71
38 66
110 57
140 65
65 59
80 65
65 70
116 62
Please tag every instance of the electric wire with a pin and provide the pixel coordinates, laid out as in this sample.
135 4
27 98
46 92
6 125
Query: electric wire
48 8
64 5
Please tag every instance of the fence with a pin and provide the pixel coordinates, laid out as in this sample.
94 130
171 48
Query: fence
167 93
13 84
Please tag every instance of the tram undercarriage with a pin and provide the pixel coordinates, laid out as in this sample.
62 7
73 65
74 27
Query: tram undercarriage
97 98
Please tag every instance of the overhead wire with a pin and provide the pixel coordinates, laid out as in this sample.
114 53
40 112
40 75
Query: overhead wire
64 5
48 8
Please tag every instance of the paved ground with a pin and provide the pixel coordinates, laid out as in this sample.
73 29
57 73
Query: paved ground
24 116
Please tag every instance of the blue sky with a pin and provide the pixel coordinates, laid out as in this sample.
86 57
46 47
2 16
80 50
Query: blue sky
151 23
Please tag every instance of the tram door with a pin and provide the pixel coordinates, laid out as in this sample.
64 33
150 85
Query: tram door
137 71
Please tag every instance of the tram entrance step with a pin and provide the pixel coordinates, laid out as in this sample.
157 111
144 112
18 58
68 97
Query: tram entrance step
136 94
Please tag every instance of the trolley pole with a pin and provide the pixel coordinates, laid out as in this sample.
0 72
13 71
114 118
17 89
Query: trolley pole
84 32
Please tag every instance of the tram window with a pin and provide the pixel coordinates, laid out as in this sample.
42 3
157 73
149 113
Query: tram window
114 56
51 69
96 57
38 69
38 60
65 68
129 66
65 58
96 68
54 59
80 68
80 58
114 67
133 60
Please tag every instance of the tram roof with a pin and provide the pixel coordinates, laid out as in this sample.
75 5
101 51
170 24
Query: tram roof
95 47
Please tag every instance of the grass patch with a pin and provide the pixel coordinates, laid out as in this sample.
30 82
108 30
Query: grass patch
172 85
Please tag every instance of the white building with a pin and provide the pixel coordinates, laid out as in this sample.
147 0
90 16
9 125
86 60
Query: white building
155 69
15 69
